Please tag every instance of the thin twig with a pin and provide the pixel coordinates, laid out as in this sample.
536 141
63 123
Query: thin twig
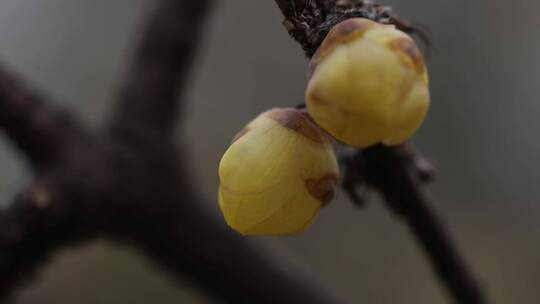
396 173
391 172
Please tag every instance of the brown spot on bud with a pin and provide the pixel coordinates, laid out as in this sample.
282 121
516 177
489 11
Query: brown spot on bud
353 25
323 189
410 54
240 134
342 33
298 121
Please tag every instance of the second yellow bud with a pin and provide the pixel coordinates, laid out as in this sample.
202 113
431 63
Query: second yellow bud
368 84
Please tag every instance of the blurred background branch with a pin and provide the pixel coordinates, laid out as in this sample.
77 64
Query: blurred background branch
41 133
129 183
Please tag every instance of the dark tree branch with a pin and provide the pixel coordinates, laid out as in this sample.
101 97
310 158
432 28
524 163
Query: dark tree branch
397 173
40 132
30 232
232 268
160 65
390 171
131 185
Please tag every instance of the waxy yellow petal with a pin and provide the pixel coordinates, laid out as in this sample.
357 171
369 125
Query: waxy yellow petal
277 174
368 84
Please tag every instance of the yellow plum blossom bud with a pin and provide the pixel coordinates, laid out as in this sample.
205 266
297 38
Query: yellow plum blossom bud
276 175
368 84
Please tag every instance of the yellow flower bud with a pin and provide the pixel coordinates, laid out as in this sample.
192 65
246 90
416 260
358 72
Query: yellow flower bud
277 174
368 84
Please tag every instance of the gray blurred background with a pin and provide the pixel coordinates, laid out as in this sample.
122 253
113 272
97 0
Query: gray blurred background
481 133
